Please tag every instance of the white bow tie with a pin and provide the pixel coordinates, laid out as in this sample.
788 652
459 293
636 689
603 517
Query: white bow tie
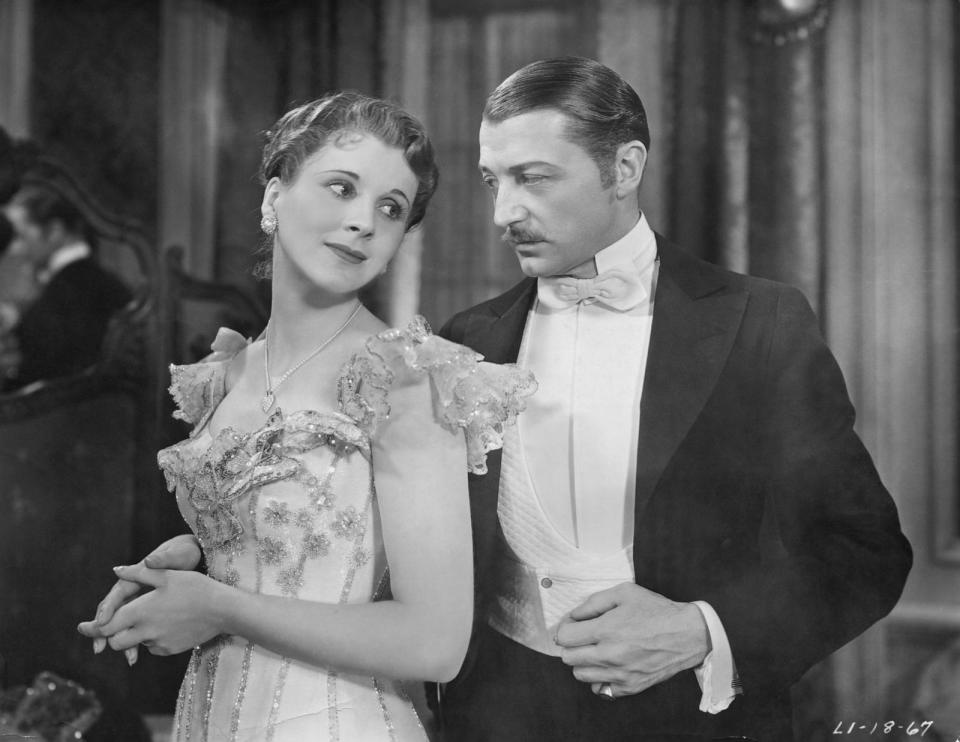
618 289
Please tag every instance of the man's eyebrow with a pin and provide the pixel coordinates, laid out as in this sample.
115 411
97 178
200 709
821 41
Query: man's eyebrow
527 165
523 166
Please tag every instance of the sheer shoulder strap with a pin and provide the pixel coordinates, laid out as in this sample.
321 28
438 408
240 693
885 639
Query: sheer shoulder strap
478 398
197 388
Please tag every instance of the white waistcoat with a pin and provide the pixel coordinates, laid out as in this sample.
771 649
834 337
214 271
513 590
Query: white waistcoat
541 575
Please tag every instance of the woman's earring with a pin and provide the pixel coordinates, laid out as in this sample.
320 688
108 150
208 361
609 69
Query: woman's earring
268 224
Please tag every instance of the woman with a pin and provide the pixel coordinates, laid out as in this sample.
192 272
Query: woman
321 452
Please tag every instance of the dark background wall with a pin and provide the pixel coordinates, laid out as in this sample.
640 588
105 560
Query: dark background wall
95 96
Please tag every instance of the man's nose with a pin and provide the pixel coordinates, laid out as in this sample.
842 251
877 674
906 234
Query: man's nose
508 207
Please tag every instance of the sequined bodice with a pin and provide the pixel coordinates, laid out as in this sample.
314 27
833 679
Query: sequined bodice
285 506
290 509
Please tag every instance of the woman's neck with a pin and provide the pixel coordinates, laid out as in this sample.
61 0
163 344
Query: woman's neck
300 320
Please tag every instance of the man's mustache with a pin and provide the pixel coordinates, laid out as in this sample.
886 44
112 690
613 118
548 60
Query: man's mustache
516 236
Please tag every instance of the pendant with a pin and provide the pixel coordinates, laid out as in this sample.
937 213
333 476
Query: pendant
267 402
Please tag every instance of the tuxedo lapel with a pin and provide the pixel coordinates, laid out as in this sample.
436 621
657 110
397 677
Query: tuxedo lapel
495 330
695 320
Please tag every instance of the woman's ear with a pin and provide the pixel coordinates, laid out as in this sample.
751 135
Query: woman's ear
271 193
629 166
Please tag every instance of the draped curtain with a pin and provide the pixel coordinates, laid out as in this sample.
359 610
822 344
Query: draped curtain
229 71
890 215
746 166
193 59
473 47
16 20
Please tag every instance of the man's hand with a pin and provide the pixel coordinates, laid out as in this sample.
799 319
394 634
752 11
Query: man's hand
180 552
632 638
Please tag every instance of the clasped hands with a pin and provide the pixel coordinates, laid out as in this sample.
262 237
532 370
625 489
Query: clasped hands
172 617
631 638
627 636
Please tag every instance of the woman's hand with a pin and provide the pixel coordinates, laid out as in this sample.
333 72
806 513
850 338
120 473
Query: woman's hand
177 615
180 552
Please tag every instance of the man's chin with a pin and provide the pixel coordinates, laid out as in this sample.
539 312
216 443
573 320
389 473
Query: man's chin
534 267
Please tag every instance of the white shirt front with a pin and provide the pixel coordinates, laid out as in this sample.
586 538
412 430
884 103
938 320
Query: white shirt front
580 430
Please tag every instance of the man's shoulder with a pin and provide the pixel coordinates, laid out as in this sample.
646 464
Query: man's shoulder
703 276
501 302
88 273
492 308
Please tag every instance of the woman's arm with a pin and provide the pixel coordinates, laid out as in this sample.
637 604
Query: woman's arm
422 633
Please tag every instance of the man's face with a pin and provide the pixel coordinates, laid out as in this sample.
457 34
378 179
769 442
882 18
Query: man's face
29 237
548 195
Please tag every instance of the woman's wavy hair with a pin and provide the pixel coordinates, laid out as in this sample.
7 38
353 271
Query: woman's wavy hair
304 130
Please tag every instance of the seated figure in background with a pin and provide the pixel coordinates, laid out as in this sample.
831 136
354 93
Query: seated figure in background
17 284
60 332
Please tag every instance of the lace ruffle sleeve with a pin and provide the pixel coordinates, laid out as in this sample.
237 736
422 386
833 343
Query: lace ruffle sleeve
476 397
197 388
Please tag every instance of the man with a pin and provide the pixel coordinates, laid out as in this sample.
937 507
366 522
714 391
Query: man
9 314
683 520
61 331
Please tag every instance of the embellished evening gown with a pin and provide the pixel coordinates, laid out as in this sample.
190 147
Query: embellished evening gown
290 509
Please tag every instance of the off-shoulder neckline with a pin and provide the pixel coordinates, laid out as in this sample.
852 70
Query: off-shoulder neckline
418 328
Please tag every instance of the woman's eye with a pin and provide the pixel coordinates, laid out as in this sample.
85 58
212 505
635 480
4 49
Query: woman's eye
532 179
392 210
341 188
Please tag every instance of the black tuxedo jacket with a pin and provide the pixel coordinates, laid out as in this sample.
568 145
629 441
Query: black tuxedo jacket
753 491
62 331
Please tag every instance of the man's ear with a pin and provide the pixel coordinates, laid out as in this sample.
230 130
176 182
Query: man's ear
55 234
629 165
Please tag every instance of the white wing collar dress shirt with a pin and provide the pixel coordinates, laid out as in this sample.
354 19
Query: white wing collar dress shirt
580 430
63 257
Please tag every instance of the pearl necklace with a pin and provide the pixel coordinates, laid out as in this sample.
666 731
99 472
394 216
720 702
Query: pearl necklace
270 396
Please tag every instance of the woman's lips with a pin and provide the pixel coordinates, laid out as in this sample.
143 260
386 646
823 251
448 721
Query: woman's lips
345 253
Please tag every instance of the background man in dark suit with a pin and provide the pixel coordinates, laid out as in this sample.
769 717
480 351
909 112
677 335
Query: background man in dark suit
684 520
61 331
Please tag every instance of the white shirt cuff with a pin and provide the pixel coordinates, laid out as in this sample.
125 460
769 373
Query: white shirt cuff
717 675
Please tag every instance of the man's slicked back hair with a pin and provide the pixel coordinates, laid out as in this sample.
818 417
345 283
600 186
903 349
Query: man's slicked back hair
603 111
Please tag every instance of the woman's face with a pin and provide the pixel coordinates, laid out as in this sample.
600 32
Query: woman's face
344 215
